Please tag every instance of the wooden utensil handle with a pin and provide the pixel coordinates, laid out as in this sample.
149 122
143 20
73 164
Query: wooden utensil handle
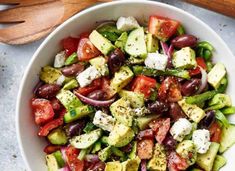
226 7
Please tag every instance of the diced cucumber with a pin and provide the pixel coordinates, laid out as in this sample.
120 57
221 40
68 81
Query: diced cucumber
51 162
121 41
96 147
59 158
228 110
73 58
57 137
86 140
105 153
89 127
117 152
71 85
49 74
227 138
219 162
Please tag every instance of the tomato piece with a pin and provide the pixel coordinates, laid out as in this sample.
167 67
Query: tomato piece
176 163
200 62
51 148
143 84
161 128
106 88
169 90
215 132
44 131
43 111
95 85
56 105
86 50
74 163
145 149
84 35
145 134
163 28
70 45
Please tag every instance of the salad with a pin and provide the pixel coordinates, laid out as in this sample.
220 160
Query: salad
129 97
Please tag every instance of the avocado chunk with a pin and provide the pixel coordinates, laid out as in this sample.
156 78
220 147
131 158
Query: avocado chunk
219 162
194 112
68 99
121 78
51 162
152 43
105 153
49 74
135 60
184 58
59 158
135 45
216 75
57 137
86 140
113 166
77 113
142 122
101 43
121 41
100 63
136 99
158 162
120 136
206 161
227 138
131 164
122 111
220 101
71 84
187 150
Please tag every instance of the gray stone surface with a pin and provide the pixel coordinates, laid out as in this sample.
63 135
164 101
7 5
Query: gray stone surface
14 59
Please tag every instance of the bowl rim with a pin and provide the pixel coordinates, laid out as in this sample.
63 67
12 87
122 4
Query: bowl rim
88 10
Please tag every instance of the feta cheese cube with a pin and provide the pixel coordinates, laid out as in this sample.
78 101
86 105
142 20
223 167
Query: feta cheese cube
59 59
60 80
104 121
216 74
156 61
201 139
127 23
180 129
86 77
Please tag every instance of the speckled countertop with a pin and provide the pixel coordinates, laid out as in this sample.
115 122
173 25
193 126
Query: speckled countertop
14 59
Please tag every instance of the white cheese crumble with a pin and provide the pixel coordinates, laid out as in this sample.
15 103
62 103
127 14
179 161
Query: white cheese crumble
87 76
104 121
127 23
180 129
201 139
60 80
156 61
60 59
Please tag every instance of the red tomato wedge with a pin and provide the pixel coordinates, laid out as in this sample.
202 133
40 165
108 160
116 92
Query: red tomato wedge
215 132
144 85
56 105
74 163
70 45
200 62
45 130
95 85
86 50
106 88
43 111
161 128
145 149
169 90
51 148
176 163
163 28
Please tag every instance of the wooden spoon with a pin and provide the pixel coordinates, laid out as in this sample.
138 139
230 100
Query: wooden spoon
34 19
226 7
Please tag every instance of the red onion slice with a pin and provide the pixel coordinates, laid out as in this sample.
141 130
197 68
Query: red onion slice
35 89
169 54
165 47
66 168
92 158
94 102
63 151
143 165
203 80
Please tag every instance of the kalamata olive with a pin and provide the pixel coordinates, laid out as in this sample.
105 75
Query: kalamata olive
127 148
97 95
48 90
72 70
208 120
158 107
75 128
169 143
190 87
116 60
184 40
176 112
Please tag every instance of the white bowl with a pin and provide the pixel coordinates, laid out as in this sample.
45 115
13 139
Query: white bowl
31 145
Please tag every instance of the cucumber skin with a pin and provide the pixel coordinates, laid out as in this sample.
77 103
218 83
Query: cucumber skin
227 138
